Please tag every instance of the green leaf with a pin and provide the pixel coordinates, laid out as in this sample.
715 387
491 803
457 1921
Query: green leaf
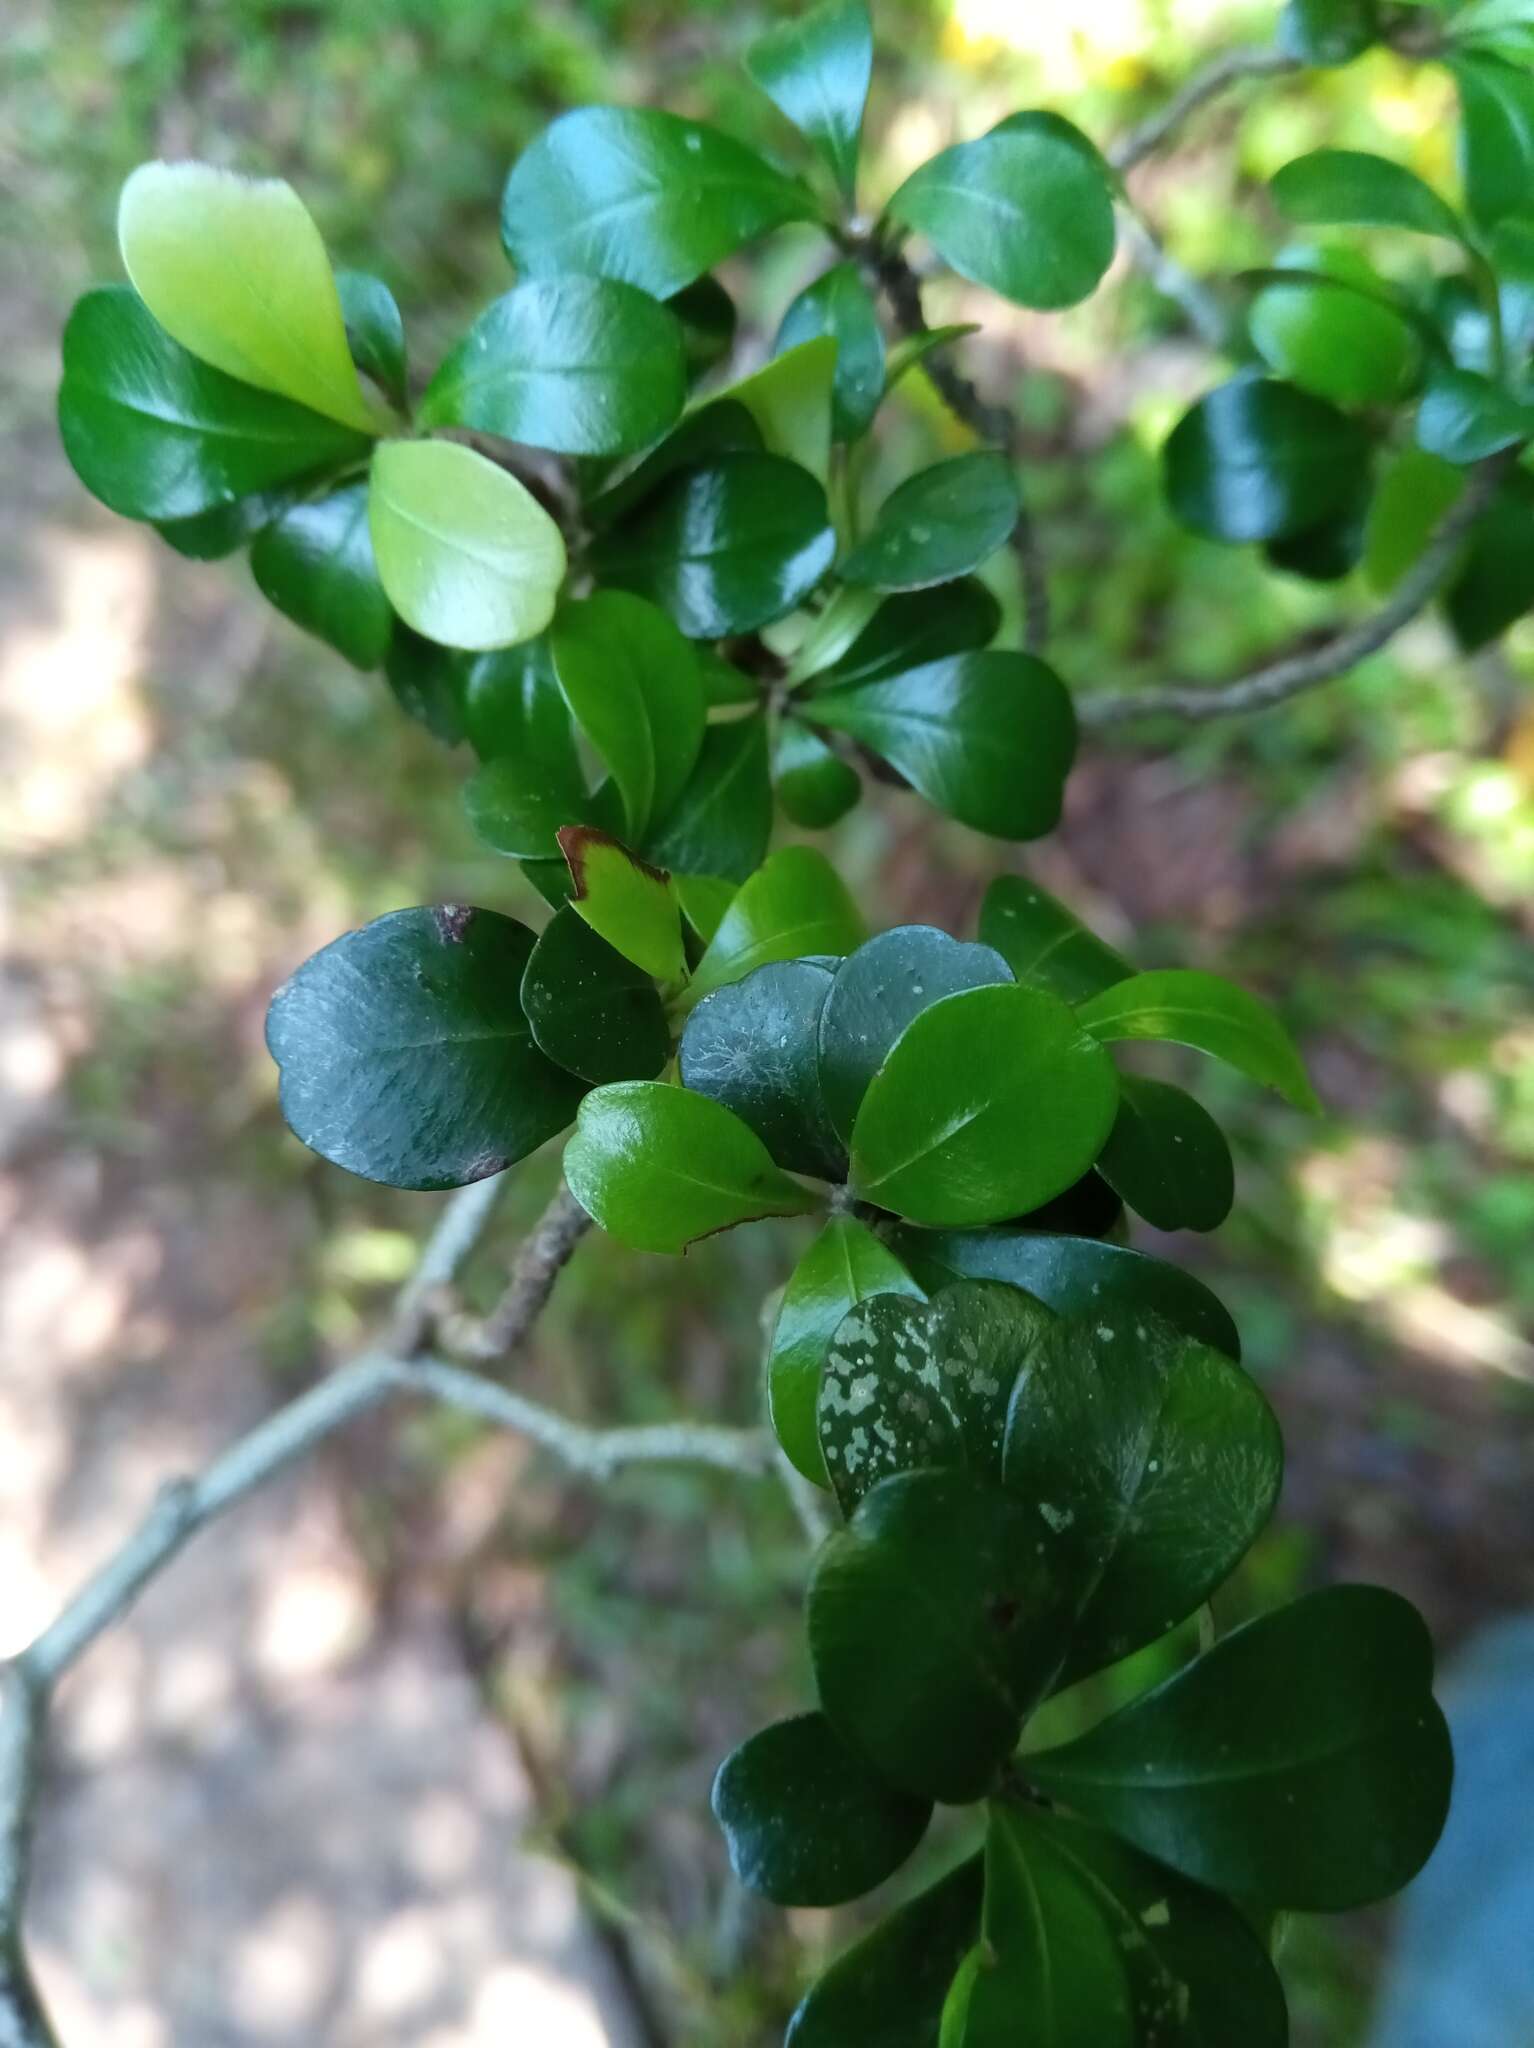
794 905
1044 942
1302 1761
427 682
518 807
210 536
839 305
845 1265
725 548
632 683
888 1989
1465 417
625 901
708 321
1328 31
1099 1945
405 1055
513 709
720 428
911 1384
234 269
988 738
807 1822
914 349
1412 496
315 563
721 823
815 786
1168 1157
1350 188
641 196
659 1167
583 365
991 1102
1330 550
790 399
1188 1007
938 524
704 900
467 554
816 70
155 434
935 1627
591 1010
375 333
1152 1459
831 632
921 627
1333 340
876 993
1259 460
1496 135
751 1046
1496 584
1026 210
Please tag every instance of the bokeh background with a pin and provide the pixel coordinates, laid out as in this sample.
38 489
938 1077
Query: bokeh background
417 1749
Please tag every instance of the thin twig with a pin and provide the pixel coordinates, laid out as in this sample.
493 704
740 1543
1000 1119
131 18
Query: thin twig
1278 680
1224 71
544 1254
1214 323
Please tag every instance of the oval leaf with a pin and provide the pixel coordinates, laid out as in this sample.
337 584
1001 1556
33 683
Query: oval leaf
751 1046
1260 460
889 1988
1188 1007
591 1010
794 905
1044 942
816 71
1168 1157
921 627
1349 187
815 786
315 563
840 305
375 333
720 824
938 524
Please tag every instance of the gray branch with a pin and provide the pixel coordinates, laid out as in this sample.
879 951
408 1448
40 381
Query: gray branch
1217 77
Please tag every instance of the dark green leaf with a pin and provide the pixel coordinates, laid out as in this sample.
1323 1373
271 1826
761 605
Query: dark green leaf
1168 1157
725 548
877 991
839 304
518 805
988 738
513 710
1075 1276
938 524
1044 942
816 71
935 1627
589 1009
1496 584
659 1167
815 786
209 536
888 1990
641 196
751 1046
1151 1460
807 1822
707 315
1328 551
1188 1007
405 1055
1087 1208
722 427
845 1265
428 683
1259 460
584 365
1496 135
1465 417
375 333
1026 210
923 626
794 906
722 821
1349 187
991 1102
315 563
155 434
1302 1761
1327 31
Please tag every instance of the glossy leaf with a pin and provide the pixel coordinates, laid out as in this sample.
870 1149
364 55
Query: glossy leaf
751 1046
632 683
877 991
210 536
659 1167
889 1987
938 525
725 548
807 1821
1044 942
641 196
1075 1276
790 399
584 365
794 905
1026 210
315 563
1495 584
720 824
935 1627
375 332
1260 460
845 1265
911 1384
1328 31
815 786
513 710
405 1055
987 737
466 553
427 682
1332 548
518 807
1302 1761
1168 1157
1496 135
704 900
1349 187
1464 417
839 305
991 1102
816 71
625 901
1188 1007
591 1010
155 434
922 627
707 316
719 428
234 269
1152 1459
1333 340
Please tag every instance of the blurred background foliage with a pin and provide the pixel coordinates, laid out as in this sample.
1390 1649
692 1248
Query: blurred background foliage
201 796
